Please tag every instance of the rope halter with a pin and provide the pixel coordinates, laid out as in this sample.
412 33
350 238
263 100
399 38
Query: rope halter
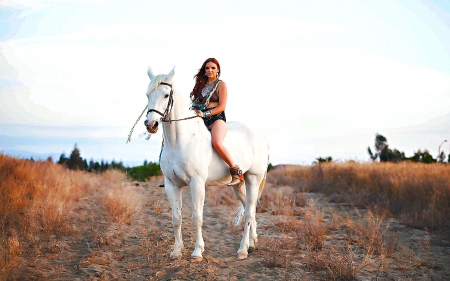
163 115
169 105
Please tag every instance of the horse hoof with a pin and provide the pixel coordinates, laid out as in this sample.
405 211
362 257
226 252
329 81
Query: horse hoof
251 250
241 256
175 257
196 259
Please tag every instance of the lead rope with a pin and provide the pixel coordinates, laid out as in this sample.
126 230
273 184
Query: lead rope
131 131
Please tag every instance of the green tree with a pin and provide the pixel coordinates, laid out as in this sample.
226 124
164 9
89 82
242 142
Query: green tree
117 165
91 166
324 160
441 157
102 166
427 158
63 160
143 173
384 152
75 160
380 145
97 166
424 157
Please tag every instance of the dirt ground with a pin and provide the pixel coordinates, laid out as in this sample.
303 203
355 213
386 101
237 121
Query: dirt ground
99 249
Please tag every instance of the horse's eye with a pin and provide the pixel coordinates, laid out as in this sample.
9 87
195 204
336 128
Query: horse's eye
167 96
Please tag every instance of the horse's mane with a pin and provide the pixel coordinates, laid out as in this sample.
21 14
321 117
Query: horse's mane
155 82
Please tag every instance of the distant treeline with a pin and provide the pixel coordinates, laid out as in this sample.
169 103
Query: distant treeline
385 154
139 173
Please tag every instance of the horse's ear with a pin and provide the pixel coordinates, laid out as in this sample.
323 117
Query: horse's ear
170 75
150 73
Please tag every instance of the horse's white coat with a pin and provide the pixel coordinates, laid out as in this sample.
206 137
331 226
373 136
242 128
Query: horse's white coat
188 159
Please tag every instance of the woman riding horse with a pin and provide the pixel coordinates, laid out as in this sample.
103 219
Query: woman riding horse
209 99
189 159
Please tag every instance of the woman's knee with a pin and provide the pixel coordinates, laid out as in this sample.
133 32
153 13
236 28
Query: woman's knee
216 144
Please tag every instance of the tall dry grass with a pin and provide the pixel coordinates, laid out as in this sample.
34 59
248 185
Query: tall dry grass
42 202
416 193
121 203
35 200
371 232
347 245
359 242
305 240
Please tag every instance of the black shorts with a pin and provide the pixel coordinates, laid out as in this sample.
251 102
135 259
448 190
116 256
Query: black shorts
213 118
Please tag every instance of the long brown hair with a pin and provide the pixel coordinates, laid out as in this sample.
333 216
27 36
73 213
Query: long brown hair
201 79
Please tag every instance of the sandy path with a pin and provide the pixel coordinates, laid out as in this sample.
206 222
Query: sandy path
222 241
102 250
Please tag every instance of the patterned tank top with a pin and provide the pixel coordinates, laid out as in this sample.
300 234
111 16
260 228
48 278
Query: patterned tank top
207 94
209 91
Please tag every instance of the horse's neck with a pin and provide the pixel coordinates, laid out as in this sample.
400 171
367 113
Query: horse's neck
176 131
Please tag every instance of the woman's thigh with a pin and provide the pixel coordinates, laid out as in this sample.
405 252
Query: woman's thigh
218 131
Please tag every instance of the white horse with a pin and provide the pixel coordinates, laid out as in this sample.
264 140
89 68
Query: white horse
188 159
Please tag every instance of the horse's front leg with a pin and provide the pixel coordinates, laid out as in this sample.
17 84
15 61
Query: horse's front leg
251 182
197 186
175 198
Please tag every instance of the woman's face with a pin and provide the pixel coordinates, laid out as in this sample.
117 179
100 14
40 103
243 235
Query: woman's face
211 70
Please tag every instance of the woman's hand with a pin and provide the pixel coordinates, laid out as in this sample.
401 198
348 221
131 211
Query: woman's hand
199 113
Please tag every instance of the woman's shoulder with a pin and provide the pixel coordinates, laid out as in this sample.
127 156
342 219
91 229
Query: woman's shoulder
221 87
221 84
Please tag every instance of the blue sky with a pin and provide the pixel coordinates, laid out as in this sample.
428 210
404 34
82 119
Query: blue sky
318 78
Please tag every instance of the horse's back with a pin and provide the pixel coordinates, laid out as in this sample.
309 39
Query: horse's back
249 149
248 146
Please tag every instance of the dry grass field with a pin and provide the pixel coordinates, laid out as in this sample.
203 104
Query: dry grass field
344 221
418 194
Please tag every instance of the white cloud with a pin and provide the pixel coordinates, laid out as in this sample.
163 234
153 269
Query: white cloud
303 80
29 7
38 4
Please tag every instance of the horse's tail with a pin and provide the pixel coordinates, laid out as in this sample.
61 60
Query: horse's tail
239 212
261 185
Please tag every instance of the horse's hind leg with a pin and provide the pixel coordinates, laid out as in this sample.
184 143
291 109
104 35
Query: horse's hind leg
252 185
240 192
253 239
175 198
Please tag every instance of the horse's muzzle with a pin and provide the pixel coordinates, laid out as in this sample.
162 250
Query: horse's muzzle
152 127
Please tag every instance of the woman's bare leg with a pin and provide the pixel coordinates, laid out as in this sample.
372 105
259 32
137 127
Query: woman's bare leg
218 131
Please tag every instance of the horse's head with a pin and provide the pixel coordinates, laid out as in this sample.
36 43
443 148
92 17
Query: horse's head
160 99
